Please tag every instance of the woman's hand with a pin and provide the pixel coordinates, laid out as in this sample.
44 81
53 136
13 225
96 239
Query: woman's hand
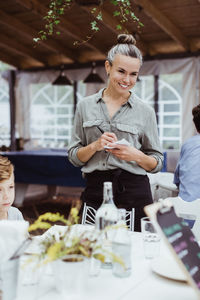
130 153
105 139
85 153
124 152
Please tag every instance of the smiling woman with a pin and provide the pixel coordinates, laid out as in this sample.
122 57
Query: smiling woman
119 115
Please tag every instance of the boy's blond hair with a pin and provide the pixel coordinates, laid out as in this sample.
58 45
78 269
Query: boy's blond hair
6 168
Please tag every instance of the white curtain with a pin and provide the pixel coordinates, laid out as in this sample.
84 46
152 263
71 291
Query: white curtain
189 67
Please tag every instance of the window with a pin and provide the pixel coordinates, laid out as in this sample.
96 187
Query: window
4 109
169 106
52 113
144 89
169 112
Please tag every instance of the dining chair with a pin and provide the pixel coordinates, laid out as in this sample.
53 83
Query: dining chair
89 214
162 185
188 211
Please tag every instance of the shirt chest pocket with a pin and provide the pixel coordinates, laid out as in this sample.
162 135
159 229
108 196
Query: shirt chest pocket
92 132
130 133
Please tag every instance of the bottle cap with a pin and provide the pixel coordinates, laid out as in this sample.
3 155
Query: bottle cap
108 184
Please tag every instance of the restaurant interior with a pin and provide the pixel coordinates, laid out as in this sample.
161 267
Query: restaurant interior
43 77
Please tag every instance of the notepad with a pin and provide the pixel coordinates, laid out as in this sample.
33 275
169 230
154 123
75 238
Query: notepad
120 142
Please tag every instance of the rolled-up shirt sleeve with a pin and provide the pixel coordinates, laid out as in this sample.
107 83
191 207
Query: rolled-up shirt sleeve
77 139
151 143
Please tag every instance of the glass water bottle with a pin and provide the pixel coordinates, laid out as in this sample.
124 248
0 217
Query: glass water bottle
107 215
121 247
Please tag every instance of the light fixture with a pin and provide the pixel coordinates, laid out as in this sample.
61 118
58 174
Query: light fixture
62 78
93 77
89 2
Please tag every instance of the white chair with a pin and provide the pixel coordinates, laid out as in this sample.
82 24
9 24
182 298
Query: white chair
162 185
89 213
188 210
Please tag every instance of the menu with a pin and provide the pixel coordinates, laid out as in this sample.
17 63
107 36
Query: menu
183 243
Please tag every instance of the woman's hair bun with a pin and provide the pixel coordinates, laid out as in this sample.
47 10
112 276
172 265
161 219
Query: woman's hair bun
126 39
196 111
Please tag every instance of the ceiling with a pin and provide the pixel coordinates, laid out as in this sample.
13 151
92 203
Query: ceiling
171 28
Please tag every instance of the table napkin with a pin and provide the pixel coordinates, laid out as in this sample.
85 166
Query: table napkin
12 234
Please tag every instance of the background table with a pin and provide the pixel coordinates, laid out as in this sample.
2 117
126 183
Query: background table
46 166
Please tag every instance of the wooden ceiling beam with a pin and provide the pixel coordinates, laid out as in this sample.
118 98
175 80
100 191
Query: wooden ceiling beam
28 62
8 59
28 32
110 22
18 48
64 26
170 46
162 21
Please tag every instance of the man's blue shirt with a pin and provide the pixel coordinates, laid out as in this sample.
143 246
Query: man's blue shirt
187 173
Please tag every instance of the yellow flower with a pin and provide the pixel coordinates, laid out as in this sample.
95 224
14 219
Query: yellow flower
54 250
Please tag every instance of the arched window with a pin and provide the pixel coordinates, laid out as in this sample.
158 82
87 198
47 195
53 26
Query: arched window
4 114
170 110
52 113
169 106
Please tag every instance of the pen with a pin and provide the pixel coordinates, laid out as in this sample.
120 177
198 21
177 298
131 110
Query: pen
101 130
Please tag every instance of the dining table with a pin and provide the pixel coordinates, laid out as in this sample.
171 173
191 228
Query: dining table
145 281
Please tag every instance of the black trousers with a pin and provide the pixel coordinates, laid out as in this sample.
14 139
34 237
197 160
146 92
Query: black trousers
129 191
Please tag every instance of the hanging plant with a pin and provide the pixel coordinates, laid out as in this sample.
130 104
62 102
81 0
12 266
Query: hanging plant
122 11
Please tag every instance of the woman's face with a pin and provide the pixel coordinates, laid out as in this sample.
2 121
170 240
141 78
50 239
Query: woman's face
7 193
123 73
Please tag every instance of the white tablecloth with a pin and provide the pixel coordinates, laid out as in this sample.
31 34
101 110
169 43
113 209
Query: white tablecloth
142 284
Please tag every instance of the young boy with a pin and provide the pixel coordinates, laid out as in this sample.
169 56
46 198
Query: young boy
7 191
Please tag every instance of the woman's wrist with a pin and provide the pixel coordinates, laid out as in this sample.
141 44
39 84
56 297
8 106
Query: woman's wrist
94 146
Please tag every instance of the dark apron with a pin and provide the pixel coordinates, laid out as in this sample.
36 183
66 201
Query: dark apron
129 191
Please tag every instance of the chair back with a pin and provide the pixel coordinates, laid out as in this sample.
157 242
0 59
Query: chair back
89 214
188 210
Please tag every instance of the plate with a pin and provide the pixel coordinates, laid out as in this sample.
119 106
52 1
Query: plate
168 268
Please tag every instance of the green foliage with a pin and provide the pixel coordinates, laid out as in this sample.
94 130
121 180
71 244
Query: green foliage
122 11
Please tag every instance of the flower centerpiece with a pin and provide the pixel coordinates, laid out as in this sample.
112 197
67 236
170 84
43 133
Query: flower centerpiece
71 238
72 249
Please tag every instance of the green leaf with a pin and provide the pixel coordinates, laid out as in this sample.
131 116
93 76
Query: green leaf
58 32
118 27
94 26
36 40
114 2
56 22
127 11
43 37
116 13
99 16
93 10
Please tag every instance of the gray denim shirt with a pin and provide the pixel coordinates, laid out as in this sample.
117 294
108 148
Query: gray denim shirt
135 121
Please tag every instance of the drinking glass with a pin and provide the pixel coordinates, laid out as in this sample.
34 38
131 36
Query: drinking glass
151 238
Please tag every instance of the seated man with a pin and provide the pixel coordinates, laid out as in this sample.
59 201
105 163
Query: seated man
187 174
